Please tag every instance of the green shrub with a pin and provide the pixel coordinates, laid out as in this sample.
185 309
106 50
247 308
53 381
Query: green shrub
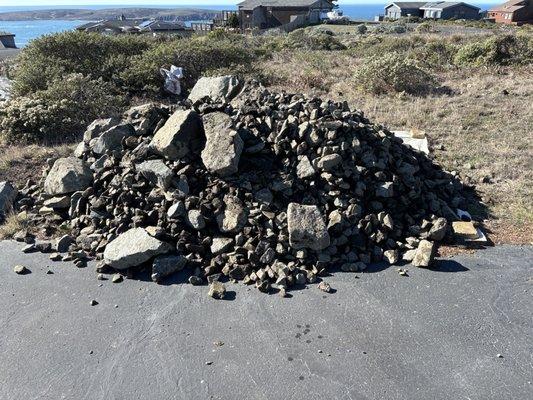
362 29
425 27
50 57
437 55
498 50
305 39
196 56
59 113
392 73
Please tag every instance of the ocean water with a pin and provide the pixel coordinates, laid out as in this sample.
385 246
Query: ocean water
28 30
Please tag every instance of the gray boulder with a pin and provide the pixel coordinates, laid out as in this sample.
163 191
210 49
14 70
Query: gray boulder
218 88
8 193
307 228
133 248
304 169
166 265
438 230
224 145
68 175
111 139
157 172
181 134
99 126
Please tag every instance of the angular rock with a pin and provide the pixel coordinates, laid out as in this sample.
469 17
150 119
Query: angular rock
181 134
234 216
176 210
218 88
305 169
306 227
164 266
329 162
217 290
99 126
68 175
424 254
223 146
59 202
438 230
63 243
195 219
157 172
133 248
220 245
111 139
8 194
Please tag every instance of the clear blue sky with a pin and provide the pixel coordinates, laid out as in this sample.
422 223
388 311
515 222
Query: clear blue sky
169 2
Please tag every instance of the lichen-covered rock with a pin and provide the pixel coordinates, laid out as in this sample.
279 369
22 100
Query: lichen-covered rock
133 248
223 147
307 228
217 88
181 134
68 175
234 216
424 254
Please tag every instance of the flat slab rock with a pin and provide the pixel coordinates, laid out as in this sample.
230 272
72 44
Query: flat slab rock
218 88
133 248
8 193
307 228
224 146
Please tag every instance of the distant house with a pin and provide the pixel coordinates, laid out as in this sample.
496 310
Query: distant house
265 14
134 25
403 9
432 10
7 41
450 10
513 12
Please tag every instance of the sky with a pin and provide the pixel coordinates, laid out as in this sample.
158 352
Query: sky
194 3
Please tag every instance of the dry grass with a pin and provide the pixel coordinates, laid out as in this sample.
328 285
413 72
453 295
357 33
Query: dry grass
483 128
20 163
12 225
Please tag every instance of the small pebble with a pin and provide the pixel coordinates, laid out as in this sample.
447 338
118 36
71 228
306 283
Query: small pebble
93 303
324 286
117 278
208 362
20 269
499 356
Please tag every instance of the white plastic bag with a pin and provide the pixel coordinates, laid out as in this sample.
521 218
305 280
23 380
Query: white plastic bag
172 79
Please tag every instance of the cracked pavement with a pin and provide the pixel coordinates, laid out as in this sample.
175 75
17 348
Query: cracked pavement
435 334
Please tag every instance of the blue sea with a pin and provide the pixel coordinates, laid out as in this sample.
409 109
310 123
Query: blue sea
28 30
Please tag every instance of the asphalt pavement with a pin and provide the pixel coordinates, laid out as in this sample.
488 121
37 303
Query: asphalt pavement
463 330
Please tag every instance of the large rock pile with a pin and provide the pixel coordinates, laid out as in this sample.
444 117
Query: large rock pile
268 188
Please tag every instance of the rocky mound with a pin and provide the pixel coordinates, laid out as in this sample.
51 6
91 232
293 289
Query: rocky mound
267 188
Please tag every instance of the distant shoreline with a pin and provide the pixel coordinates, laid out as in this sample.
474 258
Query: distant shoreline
108 13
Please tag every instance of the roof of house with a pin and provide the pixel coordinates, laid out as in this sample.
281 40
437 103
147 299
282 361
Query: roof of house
442 5
113 23
510 6
406 4
157 25
2 33
251 4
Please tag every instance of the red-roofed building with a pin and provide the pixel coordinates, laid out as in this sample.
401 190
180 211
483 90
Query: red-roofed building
513 12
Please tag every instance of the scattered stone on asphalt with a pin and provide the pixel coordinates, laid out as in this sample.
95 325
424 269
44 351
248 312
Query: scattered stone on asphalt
117 278
93 303
324 286
270 189
217 290
403 271
20 269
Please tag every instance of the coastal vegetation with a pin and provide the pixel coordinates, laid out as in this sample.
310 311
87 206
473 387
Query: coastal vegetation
469 88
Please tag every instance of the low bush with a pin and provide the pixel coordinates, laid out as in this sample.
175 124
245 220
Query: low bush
51 57
305 39
497 50
197 56
393 73
435 55
361 29
59 113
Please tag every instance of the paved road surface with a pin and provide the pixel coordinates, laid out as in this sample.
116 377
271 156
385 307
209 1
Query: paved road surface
432 335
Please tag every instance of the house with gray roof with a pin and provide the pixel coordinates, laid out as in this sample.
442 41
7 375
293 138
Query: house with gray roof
135 25
266 14
7 41
432 10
